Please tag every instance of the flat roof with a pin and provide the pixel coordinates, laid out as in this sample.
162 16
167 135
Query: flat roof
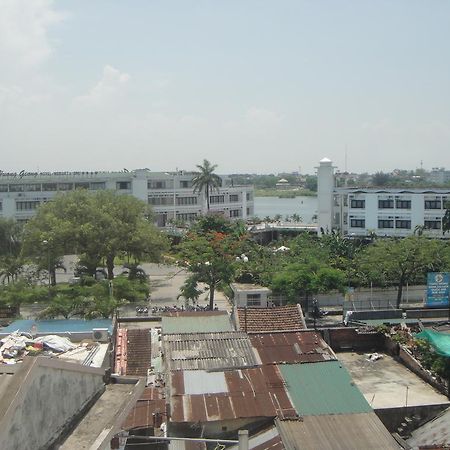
56 326
323 388
196 322
386 382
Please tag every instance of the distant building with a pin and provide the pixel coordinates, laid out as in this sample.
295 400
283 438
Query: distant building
384 211
282 184
439 175
170 194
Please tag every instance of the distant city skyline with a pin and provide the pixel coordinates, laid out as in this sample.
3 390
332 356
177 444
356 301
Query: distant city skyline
254 87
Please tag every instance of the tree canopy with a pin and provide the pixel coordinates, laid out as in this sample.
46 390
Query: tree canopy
206 180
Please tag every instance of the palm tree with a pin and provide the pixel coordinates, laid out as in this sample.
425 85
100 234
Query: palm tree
206 180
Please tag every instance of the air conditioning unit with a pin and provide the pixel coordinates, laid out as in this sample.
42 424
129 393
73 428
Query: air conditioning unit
100 335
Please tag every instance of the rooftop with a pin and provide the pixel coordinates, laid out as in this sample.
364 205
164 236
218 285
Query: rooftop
248 287
312 392
196 322
336 432
384 382
266 320
434 432
229 349
247 393
291 347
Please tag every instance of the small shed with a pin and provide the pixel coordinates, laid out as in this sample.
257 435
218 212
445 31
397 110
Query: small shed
251 295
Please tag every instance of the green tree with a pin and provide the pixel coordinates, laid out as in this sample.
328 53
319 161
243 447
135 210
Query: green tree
401 261
11 262
97 226
206 180
381 179
209 253
446 219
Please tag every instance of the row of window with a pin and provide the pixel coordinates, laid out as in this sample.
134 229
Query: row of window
398 224
168 200
399 204
50 187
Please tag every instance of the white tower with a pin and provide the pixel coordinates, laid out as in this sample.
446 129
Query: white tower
325 185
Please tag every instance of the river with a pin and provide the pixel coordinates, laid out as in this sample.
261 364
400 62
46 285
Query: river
305 207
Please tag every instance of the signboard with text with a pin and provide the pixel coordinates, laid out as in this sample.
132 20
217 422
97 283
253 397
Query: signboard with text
437 289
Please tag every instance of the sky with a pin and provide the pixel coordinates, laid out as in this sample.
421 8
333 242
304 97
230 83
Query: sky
253 86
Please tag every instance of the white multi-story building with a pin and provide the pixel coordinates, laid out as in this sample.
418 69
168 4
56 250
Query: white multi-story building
384 211
170 194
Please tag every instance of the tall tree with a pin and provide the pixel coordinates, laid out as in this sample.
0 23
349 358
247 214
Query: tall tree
401 261
206 180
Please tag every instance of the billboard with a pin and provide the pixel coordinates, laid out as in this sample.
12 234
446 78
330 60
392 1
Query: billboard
437 289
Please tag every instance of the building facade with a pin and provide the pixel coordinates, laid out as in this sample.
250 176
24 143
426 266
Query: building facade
170 194
384 211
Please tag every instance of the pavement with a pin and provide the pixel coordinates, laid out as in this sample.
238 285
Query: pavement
386 383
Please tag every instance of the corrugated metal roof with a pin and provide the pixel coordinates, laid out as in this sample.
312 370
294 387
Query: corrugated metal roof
141 416
434 432
201 351
201 382
268 439
291 347
336 432
257 392
323 388
196 322
267 320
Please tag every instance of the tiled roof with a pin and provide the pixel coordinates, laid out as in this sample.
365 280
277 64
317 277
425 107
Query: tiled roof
133 352
291 347
266 320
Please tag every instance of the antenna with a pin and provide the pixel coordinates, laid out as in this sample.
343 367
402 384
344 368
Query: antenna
345 163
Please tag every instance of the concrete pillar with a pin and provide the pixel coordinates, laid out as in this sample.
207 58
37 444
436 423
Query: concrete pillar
325 186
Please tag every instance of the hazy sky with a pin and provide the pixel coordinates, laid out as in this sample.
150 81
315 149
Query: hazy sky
253 86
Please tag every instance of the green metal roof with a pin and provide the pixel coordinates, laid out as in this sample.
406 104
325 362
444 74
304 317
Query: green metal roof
196 324
323 388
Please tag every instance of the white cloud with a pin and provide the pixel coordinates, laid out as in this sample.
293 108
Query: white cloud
110 86
24 25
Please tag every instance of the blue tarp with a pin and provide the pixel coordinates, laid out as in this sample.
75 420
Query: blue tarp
57 326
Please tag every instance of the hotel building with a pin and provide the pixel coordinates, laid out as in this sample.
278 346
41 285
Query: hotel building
392 212
170 194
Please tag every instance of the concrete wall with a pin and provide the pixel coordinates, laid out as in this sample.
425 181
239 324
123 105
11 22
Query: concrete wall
43 399
345 338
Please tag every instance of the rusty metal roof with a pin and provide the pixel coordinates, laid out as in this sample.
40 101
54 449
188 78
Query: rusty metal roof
208 351
267 320
336 432
141 416
256 392
291 347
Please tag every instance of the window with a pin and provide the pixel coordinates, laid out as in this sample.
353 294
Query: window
385 223
385 204
157 201
82 185
31 187
47 187
27 206
186 200
248 211
184 184
123 185
1 206
432 224
405 224
234 198
15 188
357 223
217 199
156 184
249 196
3 188
253 299
403 204
187 217
357 203
235 213
96 186
433 204
65 186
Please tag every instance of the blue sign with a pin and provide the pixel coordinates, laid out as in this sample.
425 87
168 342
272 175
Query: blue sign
437 289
